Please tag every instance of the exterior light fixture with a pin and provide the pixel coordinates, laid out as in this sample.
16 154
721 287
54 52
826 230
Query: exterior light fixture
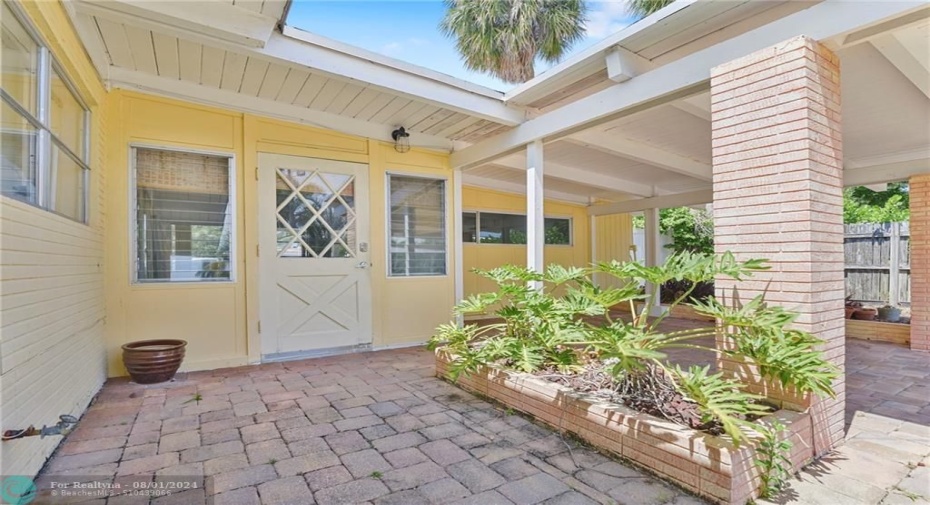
401 140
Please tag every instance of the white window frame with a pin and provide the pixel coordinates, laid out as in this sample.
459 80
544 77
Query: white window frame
45 138
387 219
570 219
133 228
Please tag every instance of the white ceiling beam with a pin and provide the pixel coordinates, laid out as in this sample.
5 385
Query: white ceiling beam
517 188
583 176
613 143
888 172
902 59
694 106
683 77
173 88
880 28
215 18
657 202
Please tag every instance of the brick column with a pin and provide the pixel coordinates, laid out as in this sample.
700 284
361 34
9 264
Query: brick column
777 152
920 262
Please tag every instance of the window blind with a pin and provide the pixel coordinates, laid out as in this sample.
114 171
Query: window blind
417 226
183 218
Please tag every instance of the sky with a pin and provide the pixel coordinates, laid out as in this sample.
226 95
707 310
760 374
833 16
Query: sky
408 30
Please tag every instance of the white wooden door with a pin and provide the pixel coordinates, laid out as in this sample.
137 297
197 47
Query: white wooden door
314 270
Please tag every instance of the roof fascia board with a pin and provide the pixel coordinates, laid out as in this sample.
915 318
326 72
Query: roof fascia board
358 52
587 61
384 73
173 88
683 77
214 18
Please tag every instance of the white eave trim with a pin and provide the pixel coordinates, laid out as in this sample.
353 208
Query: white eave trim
587 61
347 62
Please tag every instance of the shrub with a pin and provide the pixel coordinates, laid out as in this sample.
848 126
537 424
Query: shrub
567 327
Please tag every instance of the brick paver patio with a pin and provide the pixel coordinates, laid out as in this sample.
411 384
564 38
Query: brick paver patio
379 427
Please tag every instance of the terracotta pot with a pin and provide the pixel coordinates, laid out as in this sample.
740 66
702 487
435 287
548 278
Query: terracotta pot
865 314
850 311
153 361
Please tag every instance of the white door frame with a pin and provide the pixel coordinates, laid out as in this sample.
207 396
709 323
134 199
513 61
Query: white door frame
269 263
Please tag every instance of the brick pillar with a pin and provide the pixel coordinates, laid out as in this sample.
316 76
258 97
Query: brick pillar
920 262
777 152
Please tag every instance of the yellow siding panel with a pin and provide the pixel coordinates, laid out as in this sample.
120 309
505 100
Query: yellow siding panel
52 354
613 237
210 317
157 120
487 256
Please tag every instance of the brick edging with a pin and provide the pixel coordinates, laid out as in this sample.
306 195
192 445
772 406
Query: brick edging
707 465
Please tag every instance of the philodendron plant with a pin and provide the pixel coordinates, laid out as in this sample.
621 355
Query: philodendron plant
570 326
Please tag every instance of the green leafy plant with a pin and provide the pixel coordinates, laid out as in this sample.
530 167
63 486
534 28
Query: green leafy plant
773 458
569 325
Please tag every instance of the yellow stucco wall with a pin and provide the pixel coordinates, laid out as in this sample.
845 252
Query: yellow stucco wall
220 320
51 281
487 256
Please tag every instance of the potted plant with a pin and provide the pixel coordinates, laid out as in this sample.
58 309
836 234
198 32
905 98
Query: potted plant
889 313
153 361
865 314
851 307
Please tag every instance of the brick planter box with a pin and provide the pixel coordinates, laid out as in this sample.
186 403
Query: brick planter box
703 464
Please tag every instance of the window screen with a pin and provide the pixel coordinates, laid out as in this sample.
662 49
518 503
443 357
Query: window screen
417 226
494 228
183 217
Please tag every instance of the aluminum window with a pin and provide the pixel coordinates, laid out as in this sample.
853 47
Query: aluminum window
502 228
416 226
183 220
44 125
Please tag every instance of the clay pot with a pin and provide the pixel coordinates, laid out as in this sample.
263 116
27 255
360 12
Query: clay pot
850 311
865 314
153 361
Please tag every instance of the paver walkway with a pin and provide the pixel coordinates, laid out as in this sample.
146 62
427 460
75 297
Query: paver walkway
379 427
375 427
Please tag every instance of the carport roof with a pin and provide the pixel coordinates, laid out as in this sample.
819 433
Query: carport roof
627 118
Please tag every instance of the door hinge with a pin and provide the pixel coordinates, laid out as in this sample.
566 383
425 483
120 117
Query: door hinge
256 173
257 250
259 326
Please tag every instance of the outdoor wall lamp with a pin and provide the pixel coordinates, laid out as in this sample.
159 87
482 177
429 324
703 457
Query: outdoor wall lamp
401 140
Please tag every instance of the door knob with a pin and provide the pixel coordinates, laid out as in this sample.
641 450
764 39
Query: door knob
363 264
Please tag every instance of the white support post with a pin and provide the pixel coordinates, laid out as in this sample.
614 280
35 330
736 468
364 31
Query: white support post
652 255
458 256
535 220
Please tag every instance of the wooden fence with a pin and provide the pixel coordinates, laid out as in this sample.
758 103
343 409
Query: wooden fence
878 263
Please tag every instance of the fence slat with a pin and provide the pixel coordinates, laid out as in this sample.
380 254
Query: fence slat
877 257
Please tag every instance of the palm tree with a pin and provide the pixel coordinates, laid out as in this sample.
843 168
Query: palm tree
643 8
504 37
